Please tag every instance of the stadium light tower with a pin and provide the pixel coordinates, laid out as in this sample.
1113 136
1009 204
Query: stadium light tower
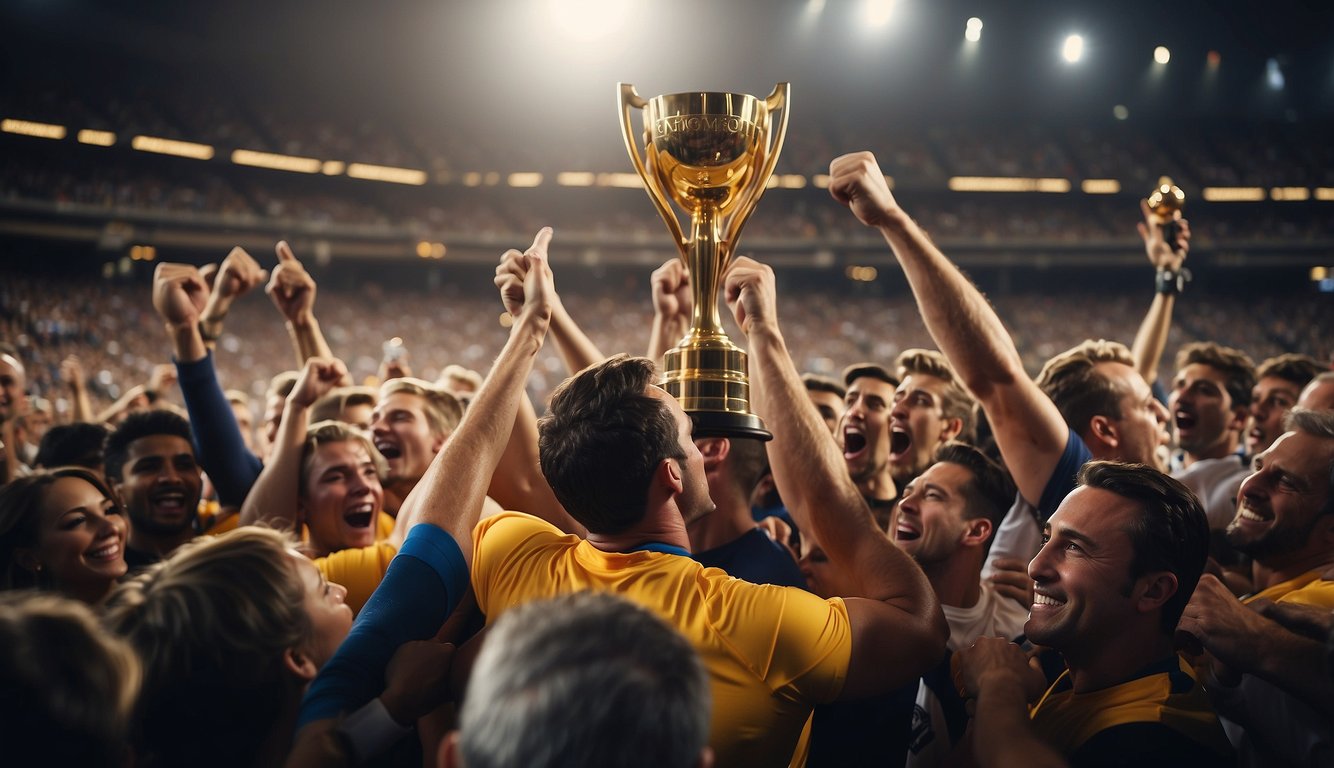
1073 49
1162 55
972 31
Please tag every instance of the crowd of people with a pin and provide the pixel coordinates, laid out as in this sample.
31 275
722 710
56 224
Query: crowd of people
1081 530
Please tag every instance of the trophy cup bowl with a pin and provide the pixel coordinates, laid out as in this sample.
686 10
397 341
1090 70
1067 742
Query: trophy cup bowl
711 154
1165 201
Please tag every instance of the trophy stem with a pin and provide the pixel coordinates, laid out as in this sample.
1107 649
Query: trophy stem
706 257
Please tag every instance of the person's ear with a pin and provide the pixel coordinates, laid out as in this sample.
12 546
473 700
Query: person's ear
976 532
1155 589
951 429
300 664
714 449
447 754
669 474
1240 415
1104 429
27 560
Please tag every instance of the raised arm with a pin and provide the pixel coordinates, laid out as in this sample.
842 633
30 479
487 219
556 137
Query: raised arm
74 379
451 493
672 305
894 612
276 494
1029 429
178 290
575 348
1167 258
238 274
293 292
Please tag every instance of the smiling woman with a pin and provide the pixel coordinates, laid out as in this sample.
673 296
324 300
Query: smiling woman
62 530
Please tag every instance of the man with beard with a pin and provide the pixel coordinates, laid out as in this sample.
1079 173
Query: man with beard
1120 559
1209 403
1278 386
1285 523
150 464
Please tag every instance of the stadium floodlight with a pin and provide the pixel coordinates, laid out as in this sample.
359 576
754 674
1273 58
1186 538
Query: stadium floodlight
1073 49
589 21
1162 55
972 31
1274 75
814 7
97 138
32 128
161 146
387 173
526 179
276 162
878 12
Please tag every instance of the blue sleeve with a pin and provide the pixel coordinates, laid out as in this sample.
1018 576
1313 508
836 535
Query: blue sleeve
1062 479
218 444
421 588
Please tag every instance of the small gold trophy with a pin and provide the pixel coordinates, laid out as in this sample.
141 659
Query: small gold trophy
713 154
1165 201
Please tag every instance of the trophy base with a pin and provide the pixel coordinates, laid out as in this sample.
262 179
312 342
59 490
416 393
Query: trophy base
725 424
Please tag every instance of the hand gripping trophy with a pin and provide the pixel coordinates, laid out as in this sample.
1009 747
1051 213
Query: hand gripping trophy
712 154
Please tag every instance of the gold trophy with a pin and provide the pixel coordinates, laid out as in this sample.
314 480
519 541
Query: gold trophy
1165 201
713 154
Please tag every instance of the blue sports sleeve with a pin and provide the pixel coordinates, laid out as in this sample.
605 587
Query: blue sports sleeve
1062 479
424 583
218 444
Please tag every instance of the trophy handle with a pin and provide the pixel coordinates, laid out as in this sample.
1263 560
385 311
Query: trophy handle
779 99
627 98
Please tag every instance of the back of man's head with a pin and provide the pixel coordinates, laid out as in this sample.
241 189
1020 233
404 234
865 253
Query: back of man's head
1078 389
602 439
79 444
70 686
1171 533
142 424
1236 366
586 679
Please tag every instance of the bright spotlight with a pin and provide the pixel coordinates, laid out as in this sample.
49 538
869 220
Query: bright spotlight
590 20
1162 55
972 32
878 12
1073 50
1120 112
1273 75
814 7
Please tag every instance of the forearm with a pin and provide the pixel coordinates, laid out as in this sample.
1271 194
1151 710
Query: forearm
276 492
1298 665
811 474
665 333
82 404
211 319
218 441
959 318
518 482
1151 339
575 348
451 492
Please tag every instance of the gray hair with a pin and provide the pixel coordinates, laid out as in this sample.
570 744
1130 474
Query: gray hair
639 690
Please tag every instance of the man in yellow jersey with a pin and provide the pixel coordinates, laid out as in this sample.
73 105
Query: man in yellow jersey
1120 559
617 451
1285 523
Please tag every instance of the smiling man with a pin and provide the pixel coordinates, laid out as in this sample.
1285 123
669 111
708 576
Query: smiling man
1278 386
150 464
1285 523
1210 403
1120 559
